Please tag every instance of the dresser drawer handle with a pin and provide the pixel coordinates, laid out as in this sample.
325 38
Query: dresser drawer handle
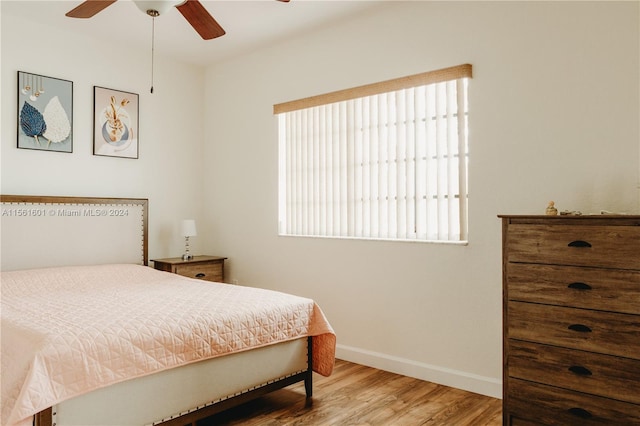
200 275
579 243
580 371
579 286
580 412
580 328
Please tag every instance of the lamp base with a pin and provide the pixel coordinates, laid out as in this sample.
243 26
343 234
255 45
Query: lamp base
187 256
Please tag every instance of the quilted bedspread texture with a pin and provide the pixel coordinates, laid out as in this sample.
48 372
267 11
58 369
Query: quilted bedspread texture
70 330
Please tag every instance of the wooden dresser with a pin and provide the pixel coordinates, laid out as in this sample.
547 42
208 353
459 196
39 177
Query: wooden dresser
571 319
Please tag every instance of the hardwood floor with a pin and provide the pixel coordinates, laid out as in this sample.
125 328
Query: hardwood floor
359 395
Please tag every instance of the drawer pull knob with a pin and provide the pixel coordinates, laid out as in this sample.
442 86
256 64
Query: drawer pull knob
580 412
200 275
579 243
580 371
580 328
579 286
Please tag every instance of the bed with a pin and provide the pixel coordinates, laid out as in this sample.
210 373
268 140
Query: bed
105 340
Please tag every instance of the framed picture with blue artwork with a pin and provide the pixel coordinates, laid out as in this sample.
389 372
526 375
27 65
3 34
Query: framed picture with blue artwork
45 113
115 123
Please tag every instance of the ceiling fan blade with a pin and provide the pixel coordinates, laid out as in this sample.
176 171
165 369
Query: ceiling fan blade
89 8
201 21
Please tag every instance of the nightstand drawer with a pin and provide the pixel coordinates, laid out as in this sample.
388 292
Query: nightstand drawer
603 375
203 271
579 245
209 268
580 287
548 405
601 332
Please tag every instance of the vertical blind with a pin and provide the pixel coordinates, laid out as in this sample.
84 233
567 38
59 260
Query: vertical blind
383 161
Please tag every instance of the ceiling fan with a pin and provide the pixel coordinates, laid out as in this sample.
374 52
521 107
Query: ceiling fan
193 11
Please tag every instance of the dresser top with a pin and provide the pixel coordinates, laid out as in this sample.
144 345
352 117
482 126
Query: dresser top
595 219
571 216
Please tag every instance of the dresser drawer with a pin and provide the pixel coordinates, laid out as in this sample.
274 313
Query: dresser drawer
579 245
601 332
548 405
205 271
580 287
516 421
603 375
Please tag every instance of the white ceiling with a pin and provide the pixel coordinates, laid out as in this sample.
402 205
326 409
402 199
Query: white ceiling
249 24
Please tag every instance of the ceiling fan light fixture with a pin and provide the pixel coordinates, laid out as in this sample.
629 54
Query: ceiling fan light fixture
156 7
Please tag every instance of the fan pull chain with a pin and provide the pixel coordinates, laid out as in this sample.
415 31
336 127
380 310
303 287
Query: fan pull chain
153 34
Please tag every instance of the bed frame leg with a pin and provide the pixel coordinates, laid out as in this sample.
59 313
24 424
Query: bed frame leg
308 380
44 418
308 385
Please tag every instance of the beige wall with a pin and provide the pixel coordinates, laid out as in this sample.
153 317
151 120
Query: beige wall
554 116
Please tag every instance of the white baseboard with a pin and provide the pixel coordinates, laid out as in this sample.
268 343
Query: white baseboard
488 386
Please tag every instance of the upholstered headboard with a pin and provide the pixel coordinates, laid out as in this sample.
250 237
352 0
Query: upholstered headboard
43 231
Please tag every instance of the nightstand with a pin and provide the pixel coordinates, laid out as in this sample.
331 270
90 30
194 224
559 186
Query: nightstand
209 268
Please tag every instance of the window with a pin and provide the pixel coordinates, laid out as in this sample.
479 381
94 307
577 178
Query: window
383 161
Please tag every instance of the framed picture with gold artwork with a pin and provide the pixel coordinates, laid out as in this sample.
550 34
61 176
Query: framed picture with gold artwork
45 113
115 123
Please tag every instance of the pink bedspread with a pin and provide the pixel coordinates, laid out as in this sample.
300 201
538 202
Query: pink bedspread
67 331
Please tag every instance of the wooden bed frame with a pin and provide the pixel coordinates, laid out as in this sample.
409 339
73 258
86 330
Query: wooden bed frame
99 228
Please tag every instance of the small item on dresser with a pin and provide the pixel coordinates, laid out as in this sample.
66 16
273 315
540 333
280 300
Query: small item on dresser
551 209
571 213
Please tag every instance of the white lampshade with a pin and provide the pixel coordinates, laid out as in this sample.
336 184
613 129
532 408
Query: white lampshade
189 228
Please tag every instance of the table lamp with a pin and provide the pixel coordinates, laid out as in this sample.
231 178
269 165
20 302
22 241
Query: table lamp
188 230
